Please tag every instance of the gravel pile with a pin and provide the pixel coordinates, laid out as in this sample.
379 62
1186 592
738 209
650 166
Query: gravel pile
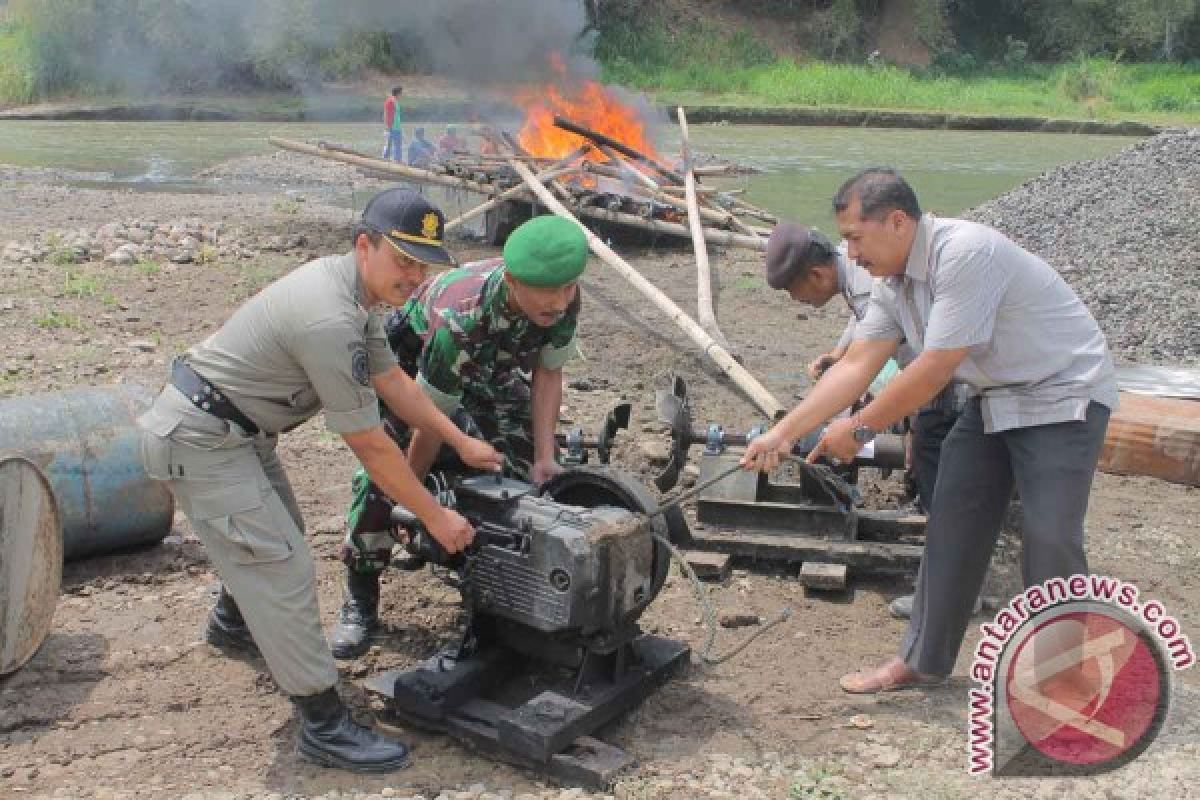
1122 231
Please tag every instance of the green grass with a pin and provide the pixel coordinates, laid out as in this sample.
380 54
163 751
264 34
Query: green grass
1093 89
53 320
701 65
80 285
148 267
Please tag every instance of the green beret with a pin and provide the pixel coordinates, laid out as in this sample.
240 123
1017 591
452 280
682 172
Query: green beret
546 251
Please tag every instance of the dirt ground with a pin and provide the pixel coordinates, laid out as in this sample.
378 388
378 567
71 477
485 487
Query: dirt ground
123 698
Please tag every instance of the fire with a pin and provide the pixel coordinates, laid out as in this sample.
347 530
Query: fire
585 102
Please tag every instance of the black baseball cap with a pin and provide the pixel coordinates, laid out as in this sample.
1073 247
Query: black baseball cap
791 250
410 223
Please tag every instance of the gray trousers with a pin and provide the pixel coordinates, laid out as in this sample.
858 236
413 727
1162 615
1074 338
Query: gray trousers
1051 467
236 495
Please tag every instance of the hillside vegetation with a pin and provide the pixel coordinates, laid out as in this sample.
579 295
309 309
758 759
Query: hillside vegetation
1078 58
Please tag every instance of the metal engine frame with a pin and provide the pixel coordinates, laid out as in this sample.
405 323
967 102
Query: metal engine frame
802 514
532 698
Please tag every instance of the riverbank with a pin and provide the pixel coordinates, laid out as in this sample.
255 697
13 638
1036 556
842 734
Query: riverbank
124 701
354 108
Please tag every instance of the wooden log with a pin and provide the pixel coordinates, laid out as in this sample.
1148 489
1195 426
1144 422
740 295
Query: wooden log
1154 436
705 313
559 168
757 393
754 211
391 168
629 168
655 192
711 235
620 147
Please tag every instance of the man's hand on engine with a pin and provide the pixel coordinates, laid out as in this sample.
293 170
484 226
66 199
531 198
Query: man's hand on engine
451 530
543 471
766 451
479 454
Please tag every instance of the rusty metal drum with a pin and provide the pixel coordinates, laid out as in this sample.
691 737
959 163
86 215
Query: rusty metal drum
31 559
87 444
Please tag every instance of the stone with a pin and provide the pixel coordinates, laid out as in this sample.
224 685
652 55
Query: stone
120 257
142 345
886 757
655 451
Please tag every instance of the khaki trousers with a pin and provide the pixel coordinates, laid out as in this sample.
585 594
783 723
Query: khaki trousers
236 495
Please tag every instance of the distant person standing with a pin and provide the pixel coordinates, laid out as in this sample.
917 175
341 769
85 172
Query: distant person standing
393 116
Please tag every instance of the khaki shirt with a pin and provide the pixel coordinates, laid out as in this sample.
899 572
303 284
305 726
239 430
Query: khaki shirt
1035 354
855 285
303 344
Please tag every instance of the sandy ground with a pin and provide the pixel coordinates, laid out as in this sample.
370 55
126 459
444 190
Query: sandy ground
124 700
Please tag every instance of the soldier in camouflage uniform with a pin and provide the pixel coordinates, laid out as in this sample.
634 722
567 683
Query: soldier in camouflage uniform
487 343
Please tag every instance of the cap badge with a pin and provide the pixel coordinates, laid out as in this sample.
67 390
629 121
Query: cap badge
429 226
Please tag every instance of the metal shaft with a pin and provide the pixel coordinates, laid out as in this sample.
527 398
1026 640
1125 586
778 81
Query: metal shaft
692 492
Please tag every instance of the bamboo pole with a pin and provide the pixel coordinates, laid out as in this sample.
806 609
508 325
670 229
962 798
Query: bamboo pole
757 393
558 168
504 197
386 167
754 211
711 235
705 313
620 147
655 192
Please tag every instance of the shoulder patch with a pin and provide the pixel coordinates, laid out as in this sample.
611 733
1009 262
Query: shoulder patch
359 365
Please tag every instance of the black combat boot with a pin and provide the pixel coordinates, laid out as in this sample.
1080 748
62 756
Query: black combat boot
226 628
332 738
359 617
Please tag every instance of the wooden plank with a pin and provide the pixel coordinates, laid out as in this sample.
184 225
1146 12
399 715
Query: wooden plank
1154 436
709 566
867 556
820 575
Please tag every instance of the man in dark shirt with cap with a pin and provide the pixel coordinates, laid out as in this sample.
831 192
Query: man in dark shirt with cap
311 341
805 264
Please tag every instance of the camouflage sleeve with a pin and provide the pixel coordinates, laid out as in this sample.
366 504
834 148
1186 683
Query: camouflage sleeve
439 372
562 345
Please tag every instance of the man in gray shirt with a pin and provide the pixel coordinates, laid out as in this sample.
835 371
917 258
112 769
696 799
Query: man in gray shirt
978 308
805 264
312 341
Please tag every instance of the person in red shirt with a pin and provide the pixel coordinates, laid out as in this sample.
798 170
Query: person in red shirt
393 147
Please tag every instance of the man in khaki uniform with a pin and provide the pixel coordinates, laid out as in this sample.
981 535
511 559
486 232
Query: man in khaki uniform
308 342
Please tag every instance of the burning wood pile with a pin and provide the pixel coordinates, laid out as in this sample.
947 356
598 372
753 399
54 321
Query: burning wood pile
590 158
593 154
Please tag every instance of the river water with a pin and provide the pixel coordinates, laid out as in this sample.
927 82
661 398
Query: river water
802 166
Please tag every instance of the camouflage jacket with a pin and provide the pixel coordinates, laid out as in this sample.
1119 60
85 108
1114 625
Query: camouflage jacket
474 350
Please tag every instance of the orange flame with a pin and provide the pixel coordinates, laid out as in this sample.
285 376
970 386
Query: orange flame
585 102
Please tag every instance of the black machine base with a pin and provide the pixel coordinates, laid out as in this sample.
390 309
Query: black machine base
534 717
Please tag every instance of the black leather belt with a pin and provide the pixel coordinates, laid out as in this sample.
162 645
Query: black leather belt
207 397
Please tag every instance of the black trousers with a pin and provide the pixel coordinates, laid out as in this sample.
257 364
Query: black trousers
1051 467
930 429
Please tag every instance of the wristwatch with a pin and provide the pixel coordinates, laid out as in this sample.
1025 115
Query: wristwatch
863 434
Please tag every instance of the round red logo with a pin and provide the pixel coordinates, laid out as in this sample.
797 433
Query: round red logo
1087 688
